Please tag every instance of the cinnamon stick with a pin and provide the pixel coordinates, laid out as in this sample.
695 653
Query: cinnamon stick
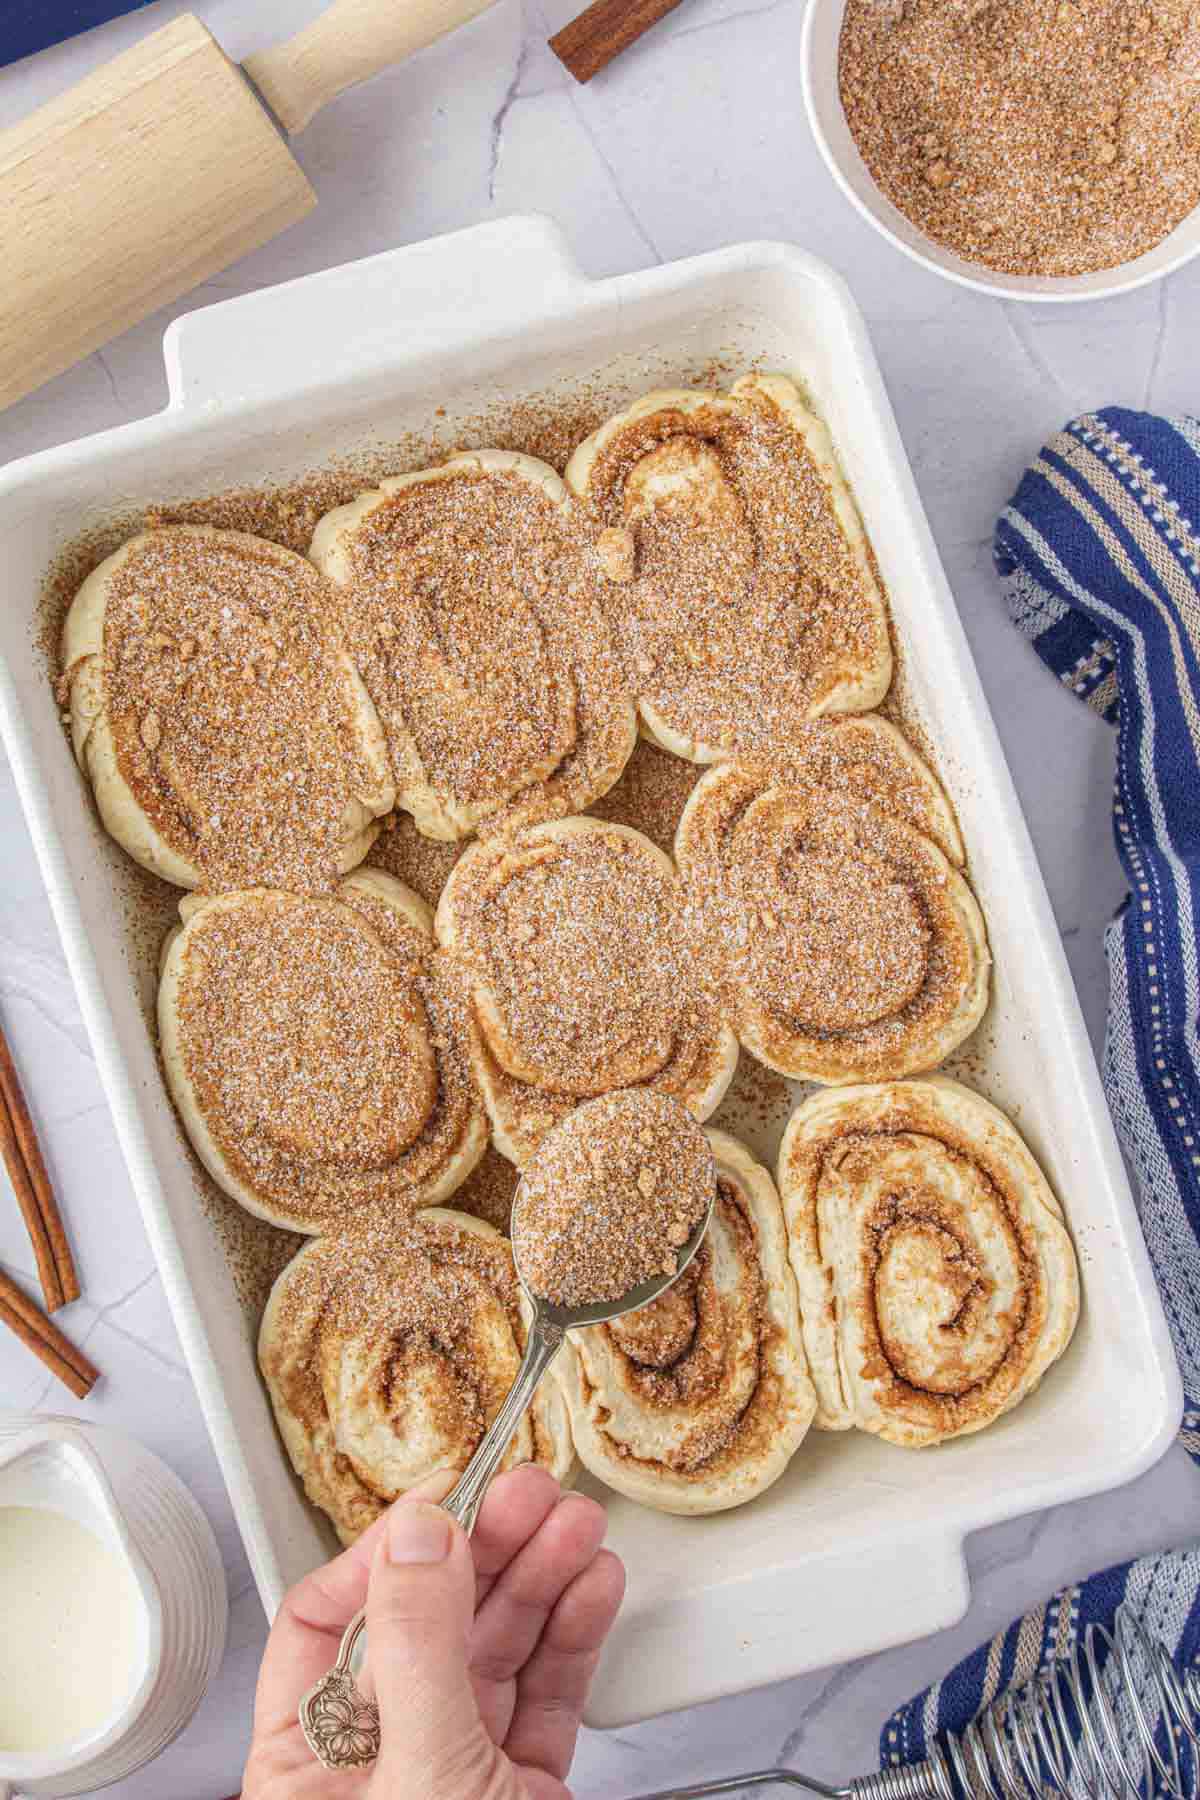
590 42
26 1320
31 1183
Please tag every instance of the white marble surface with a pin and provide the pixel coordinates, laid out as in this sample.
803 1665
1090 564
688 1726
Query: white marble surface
694 139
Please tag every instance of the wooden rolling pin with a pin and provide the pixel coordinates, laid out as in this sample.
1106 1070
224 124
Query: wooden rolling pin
165 166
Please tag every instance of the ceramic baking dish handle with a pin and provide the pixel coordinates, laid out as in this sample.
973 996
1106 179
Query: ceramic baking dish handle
737 1635
353 322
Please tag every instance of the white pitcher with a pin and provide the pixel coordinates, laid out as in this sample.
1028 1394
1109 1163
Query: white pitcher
144 1515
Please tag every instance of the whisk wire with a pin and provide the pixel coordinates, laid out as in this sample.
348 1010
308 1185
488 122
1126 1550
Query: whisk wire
1115 1720
1102 1704
999 1751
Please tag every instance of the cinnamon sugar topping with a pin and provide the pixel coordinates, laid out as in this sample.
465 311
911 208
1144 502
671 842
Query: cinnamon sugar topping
611 1198
320 1038
1037 137
850 947
575 939
229 709
488 1191
473 615
745 608
388 1348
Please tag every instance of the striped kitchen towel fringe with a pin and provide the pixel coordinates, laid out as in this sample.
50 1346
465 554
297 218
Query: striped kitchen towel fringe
1099 557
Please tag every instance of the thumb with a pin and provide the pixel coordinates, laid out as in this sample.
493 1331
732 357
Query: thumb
420 1605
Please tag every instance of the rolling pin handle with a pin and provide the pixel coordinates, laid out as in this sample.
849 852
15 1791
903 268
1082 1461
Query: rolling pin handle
347 43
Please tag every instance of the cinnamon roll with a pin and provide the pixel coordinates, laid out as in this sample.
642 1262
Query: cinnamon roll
738 572
937 1280
217 715
850 946
698 1402
473 614
574 943
312 1047
388 1348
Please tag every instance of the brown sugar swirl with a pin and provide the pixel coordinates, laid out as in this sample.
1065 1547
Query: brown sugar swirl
850 946
312 1048
573 939
697 1402
387 1349
937 1280
472 611
737 571
214 708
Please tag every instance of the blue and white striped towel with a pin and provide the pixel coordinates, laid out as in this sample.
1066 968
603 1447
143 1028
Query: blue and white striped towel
1099 556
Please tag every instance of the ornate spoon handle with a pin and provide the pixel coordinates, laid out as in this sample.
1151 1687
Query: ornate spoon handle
466 1496
339 1723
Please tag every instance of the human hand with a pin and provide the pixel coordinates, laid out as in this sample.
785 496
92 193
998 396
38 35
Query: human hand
481 1650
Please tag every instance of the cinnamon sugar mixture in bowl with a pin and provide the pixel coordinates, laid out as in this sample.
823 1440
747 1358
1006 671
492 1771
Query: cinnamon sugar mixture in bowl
1036 137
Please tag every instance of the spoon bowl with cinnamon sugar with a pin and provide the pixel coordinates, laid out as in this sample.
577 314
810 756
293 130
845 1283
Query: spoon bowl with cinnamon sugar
607 1216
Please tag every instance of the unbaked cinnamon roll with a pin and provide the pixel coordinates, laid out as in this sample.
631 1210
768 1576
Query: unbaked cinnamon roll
698 1402
388 1349
312 1048
738 572
473 614
217 715
937 1280
850 946
573 939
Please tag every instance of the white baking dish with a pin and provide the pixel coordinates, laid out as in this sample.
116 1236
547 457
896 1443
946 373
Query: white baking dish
860 1545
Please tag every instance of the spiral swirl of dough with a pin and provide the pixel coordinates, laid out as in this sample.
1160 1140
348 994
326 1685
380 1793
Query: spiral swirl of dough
473 612
741 581
312 1046
698 1402
216 712
850 946
388 1351
573 939
937 1280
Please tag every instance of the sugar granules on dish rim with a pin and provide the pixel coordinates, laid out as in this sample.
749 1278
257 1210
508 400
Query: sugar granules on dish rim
611 1198
1037 137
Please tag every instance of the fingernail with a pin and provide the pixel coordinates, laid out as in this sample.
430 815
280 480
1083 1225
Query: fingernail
417 1534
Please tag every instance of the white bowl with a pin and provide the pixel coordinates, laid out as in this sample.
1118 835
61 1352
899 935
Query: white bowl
819 59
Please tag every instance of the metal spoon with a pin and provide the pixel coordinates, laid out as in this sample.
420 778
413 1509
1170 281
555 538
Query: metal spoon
340 1724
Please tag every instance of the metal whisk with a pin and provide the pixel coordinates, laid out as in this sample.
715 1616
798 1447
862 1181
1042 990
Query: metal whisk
1117 1722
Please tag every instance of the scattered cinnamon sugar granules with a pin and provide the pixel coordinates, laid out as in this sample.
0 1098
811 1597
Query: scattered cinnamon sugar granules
421 863
488 1191
307 1044
651 794
1037 137
611 1198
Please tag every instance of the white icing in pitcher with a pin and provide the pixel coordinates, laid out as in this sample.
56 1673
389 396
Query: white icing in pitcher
72 1627
112 1606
